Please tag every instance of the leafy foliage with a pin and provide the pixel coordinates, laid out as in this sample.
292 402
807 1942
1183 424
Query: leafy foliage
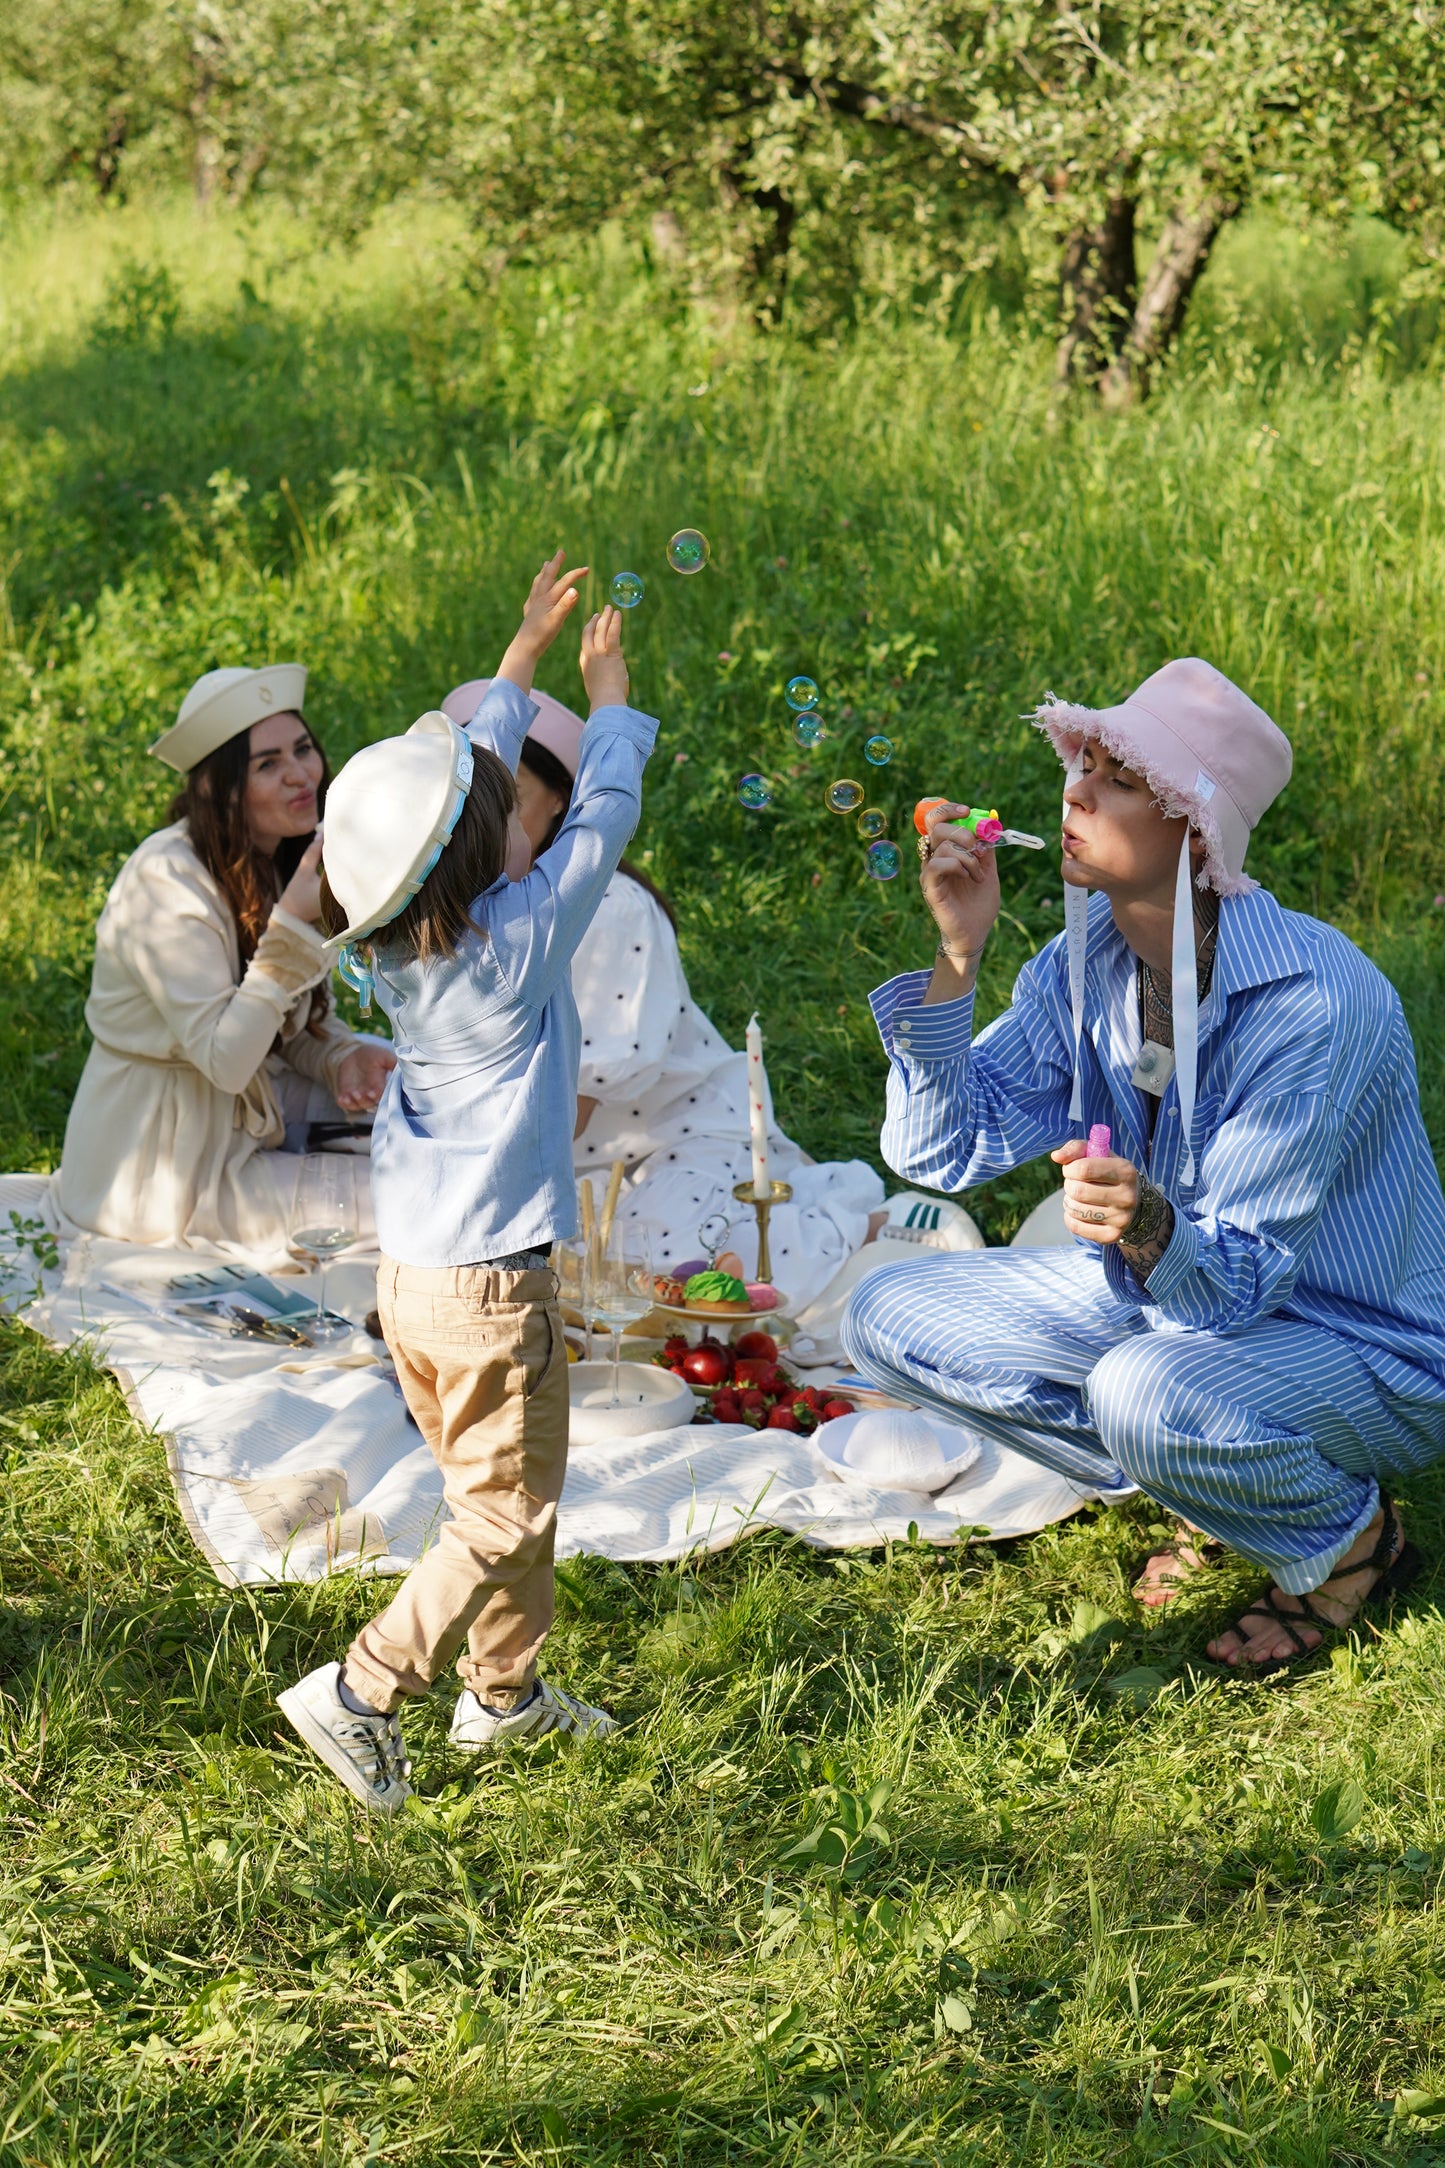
853 152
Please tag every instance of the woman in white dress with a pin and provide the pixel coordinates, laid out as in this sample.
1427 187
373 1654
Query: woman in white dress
660 1088
214 1045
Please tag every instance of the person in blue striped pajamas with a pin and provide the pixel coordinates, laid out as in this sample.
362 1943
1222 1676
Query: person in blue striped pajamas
1251 1325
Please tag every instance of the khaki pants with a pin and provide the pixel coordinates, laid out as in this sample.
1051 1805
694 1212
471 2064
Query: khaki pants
483 1365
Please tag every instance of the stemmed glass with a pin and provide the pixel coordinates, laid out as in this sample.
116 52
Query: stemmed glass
323 1221
619 1276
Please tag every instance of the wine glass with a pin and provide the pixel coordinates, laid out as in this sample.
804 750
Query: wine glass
619 1272
323 1221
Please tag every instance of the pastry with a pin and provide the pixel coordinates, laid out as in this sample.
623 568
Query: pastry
716 1294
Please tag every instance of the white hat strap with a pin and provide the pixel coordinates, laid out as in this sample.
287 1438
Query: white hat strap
1185 965
1076 941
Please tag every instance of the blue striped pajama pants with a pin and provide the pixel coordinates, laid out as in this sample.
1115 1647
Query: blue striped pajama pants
1271 1439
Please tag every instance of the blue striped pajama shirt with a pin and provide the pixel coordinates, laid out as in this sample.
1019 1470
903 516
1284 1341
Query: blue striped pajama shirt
1289 1347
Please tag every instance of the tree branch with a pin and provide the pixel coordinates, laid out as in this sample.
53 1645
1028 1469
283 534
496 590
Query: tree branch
901 114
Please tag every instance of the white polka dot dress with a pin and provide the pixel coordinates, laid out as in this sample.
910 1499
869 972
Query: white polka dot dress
673 1103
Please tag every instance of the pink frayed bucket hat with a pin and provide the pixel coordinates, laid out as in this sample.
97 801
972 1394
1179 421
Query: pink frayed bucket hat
1212 758
1205 749
553 726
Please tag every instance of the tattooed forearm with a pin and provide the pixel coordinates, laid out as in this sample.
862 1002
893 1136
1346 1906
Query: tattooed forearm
1148 1233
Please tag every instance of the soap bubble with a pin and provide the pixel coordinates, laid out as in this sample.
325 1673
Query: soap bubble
883 860
801 693
872 823
845 796
627 589
688 550
808 729
878 750
755 791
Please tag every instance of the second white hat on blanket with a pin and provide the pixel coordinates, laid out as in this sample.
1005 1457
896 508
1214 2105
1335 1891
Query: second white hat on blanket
898 1448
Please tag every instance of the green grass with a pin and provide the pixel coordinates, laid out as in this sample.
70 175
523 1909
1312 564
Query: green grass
1113 1907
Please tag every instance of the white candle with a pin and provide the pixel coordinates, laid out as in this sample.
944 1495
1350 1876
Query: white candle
757 1110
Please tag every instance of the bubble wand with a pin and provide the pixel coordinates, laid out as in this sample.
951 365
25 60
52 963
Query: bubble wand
985 826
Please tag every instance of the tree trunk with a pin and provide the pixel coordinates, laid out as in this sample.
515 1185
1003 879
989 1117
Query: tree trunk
1173 274
105 165
767 264
1096 291
765 261
669 236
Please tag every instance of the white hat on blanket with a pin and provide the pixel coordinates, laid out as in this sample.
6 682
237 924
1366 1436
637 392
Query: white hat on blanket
897 1448
223 703
1211 757
389 816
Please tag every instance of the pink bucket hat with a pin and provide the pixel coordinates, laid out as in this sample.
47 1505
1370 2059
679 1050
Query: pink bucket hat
554 726
1206 751
1211 757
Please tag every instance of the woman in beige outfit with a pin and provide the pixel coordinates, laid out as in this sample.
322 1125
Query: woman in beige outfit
209 1009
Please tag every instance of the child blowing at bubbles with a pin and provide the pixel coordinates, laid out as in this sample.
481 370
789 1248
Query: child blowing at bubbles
1252 1327
426 881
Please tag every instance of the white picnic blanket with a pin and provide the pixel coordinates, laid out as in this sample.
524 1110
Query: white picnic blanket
289 1468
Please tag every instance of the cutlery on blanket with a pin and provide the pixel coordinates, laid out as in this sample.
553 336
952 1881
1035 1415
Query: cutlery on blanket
268 1328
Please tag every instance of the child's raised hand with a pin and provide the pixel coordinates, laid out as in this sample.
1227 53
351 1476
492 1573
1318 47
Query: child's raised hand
552 595
604 668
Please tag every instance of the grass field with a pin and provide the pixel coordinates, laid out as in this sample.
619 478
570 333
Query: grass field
904 1856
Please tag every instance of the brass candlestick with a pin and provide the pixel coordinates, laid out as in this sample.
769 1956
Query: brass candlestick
762 1206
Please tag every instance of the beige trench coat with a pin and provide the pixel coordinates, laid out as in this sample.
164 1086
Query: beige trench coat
174 1131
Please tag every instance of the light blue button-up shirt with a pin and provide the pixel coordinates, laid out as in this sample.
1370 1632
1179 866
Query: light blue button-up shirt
1316 1194
471 1153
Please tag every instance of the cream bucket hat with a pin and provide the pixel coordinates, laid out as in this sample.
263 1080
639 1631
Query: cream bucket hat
389 816
1210 756
222 704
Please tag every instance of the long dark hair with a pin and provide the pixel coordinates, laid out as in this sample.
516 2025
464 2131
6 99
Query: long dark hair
551 774
212 803
475 856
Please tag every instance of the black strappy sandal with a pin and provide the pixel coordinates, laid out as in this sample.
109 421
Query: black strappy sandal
1395 1571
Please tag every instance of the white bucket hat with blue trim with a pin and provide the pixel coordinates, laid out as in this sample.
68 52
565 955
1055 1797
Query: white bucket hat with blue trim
389 816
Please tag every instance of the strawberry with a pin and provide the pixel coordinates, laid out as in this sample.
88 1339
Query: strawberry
782 1418
834 1408
758 1346
752 1401
726 1408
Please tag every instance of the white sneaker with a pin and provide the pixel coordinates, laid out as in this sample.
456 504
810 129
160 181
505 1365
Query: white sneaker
474 1725
366 1752
929 1223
